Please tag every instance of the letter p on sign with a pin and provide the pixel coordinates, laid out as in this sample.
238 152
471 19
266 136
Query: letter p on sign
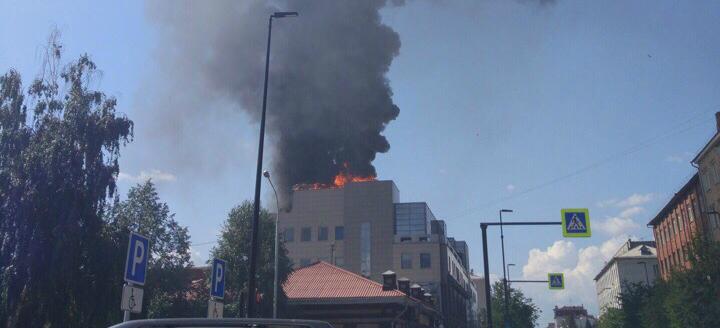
137 258
217 280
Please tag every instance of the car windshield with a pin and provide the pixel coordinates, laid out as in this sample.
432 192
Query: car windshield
360 163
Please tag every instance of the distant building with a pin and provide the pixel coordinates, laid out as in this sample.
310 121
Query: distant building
479 283
573 316
322 291
677 223
634 262
708 163
364 228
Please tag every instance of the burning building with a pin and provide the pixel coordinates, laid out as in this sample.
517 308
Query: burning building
360 224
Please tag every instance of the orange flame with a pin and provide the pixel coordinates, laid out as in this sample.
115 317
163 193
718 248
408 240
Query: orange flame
341 179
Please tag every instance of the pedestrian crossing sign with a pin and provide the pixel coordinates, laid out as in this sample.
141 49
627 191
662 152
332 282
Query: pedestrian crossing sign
556 280
575 222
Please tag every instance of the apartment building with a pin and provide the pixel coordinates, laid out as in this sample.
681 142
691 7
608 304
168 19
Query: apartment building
677 223
364 228
707 162
635 262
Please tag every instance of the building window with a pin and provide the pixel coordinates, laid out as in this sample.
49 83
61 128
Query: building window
323 233
406 261
289 235
404 239
304 262
424 260
412 219
339 233
305 234
365 248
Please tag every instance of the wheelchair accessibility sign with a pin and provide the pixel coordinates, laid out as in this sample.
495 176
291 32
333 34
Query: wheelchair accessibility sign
575 222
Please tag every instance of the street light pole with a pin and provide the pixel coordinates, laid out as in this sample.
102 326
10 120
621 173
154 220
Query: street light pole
505 283
266 174
508 272
254 244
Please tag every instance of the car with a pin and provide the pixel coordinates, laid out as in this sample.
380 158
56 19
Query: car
227 322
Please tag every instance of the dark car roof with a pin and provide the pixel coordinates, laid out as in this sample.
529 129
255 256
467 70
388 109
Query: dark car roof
227 322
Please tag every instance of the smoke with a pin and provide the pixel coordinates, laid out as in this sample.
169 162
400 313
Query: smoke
328 98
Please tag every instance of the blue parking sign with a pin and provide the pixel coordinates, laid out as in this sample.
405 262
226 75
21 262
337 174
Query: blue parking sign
137 259
217 280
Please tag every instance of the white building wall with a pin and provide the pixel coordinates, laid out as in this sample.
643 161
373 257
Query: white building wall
608 290
611 284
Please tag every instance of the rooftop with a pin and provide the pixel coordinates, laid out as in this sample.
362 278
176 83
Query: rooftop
324 281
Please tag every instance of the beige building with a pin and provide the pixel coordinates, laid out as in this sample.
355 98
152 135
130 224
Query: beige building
708 164
364 228
634 263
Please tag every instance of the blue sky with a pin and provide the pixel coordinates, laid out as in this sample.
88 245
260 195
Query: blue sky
503 104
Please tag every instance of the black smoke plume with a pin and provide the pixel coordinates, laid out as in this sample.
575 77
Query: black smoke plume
329 99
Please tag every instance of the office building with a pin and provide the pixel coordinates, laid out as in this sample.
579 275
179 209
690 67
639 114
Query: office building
573 316
634 263
364 228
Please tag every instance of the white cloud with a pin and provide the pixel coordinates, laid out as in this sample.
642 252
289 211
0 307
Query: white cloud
616 225
510 187
155 174
196 257
630 201
579 266
635 200
680 158
624 223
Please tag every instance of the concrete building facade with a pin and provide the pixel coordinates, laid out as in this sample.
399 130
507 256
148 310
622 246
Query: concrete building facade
573 316
677 223
707 162
364 228
635 262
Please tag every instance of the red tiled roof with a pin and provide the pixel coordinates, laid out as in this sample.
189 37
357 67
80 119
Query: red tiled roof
326 281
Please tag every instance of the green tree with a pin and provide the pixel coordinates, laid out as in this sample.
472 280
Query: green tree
522 311
234 247
168 279
693 297
612 318
58 165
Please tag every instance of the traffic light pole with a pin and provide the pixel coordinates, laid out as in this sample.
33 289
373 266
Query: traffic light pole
486 266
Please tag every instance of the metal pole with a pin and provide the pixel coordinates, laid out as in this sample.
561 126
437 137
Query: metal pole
126 313
505 284
486 270
486 267
254 243
277 244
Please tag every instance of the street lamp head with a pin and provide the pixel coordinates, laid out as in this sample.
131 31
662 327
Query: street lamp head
506 211
266 174
282 14
511 264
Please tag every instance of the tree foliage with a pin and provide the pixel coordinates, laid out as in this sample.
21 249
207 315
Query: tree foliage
234 247
58 164
168 276
522 311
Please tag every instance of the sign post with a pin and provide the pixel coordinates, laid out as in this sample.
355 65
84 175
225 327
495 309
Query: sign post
556 281
217 289
135 271
575 222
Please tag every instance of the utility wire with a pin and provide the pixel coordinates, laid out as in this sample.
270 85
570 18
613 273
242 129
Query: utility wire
677 129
